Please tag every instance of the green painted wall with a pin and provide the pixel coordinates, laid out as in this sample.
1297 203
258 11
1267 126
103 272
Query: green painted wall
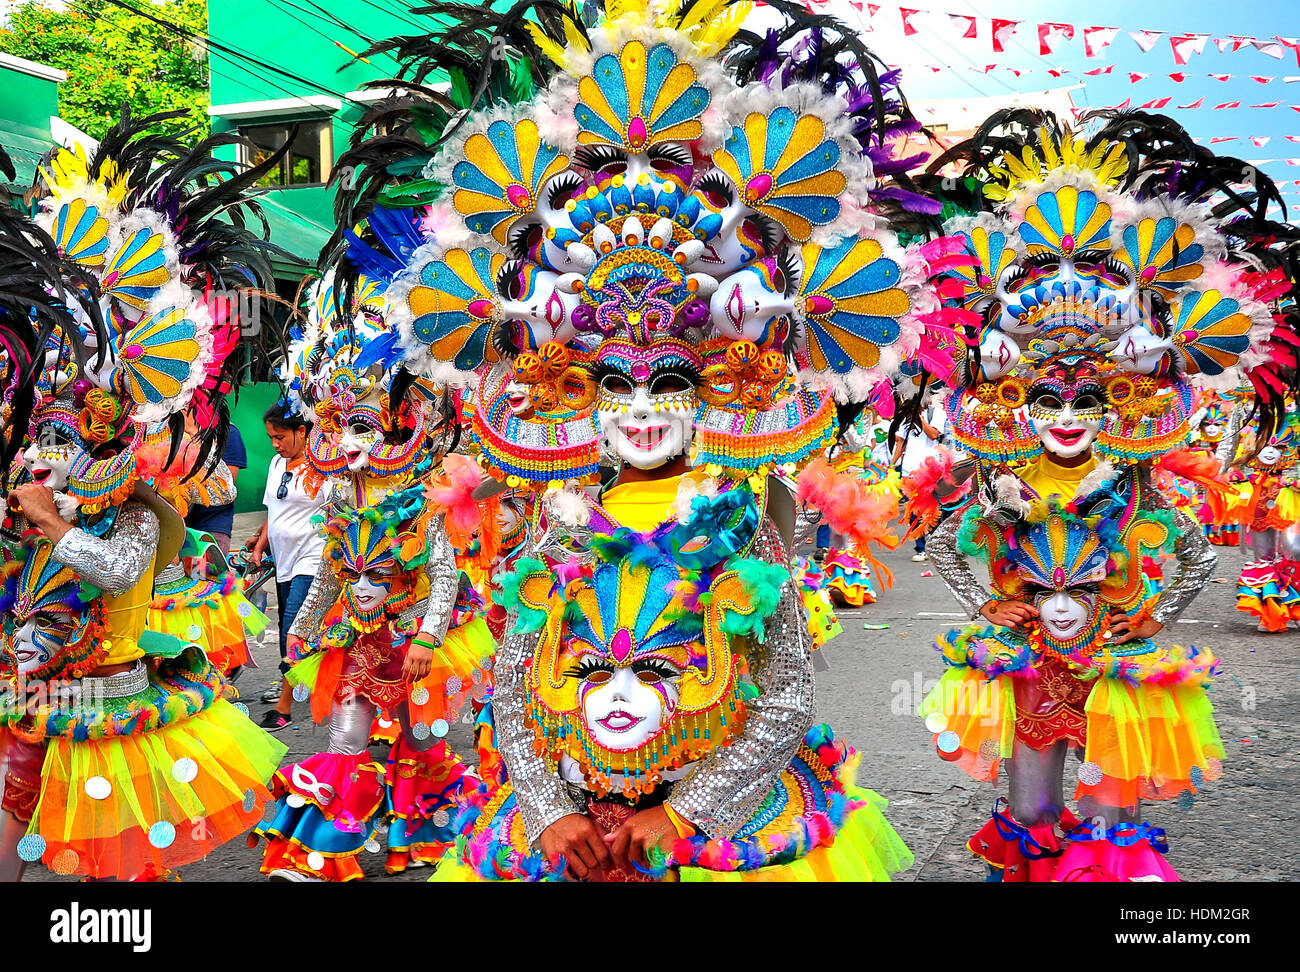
26 104
246 415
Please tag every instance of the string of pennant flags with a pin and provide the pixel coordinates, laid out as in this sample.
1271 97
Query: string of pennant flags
1059 72
1096 39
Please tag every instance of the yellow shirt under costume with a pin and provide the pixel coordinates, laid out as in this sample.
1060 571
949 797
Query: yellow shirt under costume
644 504
1047 478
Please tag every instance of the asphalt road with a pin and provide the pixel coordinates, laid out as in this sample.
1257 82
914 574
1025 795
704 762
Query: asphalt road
1240 828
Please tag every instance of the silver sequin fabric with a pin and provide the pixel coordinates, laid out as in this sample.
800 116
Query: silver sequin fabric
953 568
1196 562
726 787
114 563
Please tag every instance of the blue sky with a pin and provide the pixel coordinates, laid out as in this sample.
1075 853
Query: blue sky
939 42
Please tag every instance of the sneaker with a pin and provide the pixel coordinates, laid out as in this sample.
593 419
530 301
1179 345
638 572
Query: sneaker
273 693
283 874
275 721
918 558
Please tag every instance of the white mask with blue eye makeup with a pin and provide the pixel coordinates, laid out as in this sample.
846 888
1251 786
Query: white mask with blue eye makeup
37 640
741 238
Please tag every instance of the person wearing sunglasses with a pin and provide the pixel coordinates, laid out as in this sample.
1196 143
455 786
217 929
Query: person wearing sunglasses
294 542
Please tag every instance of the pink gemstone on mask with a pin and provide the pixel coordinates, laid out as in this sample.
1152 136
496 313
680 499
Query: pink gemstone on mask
1067 243
758 187
132 352
1149 274
621 646
819 304
636 132
480 308
641 371
517 196
1058 577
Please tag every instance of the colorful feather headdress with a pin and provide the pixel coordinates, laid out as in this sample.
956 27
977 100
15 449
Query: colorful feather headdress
1101 252
600 184
156 234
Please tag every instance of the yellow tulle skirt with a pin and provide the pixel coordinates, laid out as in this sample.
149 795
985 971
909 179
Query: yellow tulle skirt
866 848
133 807
1148 741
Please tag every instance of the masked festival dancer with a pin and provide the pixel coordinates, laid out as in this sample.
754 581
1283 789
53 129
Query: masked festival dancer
659 261
390 639
1106 291
121 759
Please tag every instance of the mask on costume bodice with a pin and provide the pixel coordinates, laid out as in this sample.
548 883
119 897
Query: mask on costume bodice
373 563
631 678
635 672
52 623
1061 563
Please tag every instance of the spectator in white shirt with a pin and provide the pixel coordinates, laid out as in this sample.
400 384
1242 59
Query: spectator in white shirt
294 541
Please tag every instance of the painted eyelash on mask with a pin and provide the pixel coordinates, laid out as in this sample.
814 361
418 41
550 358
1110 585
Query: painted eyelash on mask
564 182
595 157
716 183
674 154
665 670
518 240
791 270
510 269
586 665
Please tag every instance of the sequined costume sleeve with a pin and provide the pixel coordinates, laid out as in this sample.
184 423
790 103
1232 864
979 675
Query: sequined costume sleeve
444 580
725 788
955 569
1227 450
221 485
116 562
1196 562
321 596
541 795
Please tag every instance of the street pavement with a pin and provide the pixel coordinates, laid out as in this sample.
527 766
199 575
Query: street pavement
869 682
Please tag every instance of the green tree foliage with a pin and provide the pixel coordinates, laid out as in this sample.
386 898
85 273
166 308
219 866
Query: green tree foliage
115 57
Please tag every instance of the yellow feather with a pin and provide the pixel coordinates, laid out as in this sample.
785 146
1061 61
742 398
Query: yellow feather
572 36
701 13
547 46
721 30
